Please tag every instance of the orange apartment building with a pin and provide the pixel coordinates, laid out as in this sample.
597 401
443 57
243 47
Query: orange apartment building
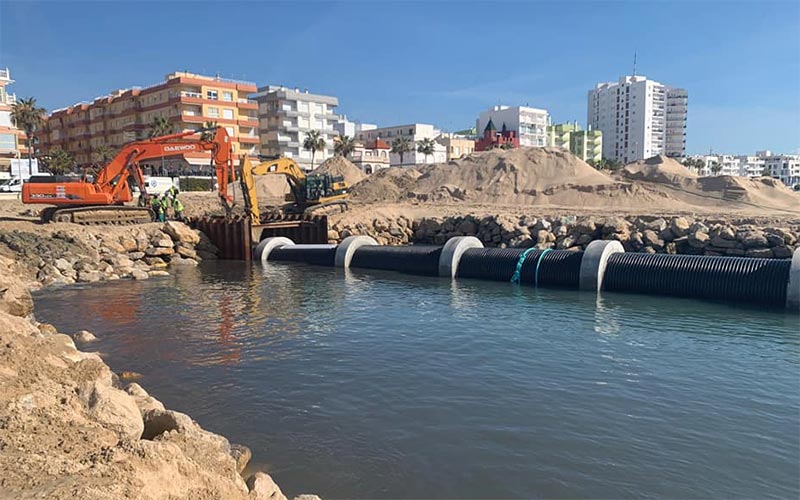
187 100
12 140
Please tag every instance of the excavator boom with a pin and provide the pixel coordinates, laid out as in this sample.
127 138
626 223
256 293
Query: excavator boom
102 200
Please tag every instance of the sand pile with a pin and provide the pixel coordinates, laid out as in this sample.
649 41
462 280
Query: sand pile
388 184
341 166
658 169
507 176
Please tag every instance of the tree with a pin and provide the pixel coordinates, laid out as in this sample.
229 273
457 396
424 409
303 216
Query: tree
344 146
58 162
210 130
507 146
401 146
160 126
426 146
103 154
716 168
27 116
314 142
606 164
767 172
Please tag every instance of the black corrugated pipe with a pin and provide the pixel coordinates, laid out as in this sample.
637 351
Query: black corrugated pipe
318 255
414 259
757 281
555 267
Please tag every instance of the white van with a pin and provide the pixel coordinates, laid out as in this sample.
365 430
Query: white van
158 185
12 185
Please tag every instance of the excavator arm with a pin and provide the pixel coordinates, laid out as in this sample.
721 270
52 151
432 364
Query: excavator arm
286 166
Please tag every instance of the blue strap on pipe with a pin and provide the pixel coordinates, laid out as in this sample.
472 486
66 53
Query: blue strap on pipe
538 262
515 277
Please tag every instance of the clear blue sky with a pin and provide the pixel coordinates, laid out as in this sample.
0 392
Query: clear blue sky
432 62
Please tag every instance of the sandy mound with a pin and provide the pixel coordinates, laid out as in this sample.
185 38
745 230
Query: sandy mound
507 176
388 184
764 192
341 166
658 169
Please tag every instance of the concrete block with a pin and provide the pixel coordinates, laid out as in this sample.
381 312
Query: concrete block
348 246
451 254
593 264
266 245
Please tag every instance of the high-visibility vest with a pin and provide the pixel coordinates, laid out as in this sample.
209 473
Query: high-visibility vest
177 205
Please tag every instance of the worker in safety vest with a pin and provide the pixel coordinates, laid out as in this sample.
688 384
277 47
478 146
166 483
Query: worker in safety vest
158 208
173 192
177 206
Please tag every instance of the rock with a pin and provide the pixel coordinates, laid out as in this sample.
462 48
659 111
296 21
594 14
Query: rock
136 255
666 235
650 238
115 410
157 273
679 226
760 253
720 242
242 455
84 337
62 265
698 239
734 252
180 232
207 255
47 329
163 243
754 239
180 261
782 252
617 225
89 276
157 422
788 237
656 225
775 240
333 235
586 226
143 400
727 233
138 274
468 227
129 376
113 247
187 252
159 251
129 244
262 487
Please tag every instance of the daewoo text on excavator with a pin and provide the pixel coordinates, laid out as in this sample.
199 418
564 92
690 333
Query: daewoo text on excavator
103 200
308 193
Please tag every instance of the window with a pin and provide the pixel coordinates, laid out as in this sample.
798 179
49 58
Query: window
227 114
227 96
213 112
230 131
211 94
8 141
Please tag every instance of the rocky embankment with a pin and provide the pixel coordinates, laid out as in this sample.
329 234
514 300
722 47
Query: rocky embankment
676 235
69 426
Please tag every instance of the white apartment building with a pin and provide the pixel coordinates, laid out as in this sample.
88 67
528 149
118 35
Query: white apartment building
286 116
728 165
779 166
784 167
639 118
343 127
414 133
529 123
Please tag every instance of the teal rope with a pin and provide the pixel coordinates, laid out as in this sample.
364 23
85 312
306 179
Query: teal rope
515 277
538 262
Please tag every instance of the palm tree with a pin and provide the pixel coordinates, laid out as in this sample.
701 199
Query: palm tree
716 168
26 115
208 135
344 146
160 126
401 146
314 142
58 161
426 146
103 154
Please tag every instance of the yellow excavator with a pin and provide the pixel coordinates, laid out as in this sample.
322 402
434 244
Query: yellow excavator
307 193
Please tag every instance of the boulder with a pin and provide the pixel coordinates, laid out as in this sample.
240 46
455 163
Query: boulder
775 240
115 410
760 253
242 455
158 421
650 238
180 261
62 265
89 276
679 226
136 255
84 337
129 244
113 247
157 273
138 274
699 239
187 252
159 251
262 487
754 239
782 252
163 243
721 242
181 233
144 401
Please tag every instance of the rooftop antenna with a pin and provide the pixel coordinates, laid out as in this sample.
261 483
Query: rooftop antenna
634 63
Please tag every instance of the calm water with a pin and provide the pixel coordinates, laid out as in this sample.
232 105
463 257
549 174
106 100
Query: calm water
386 386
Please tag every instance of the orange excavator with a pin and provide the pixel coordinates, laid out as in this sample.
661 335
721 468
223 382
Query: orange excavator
102 201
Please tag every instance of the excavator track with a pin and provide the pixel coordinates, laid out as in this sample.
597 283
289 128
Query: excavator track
327 208
114 215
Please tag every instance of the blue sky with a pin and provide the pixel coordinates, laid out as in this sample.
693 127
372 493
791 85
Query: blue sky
432 62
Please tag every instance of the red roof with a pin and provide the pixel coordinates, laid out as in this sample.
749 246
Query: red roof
377 144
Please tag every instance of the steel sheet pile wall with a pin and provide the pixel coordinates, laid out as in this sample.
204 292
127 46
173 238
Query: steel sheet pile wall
604 265
230 235
757 281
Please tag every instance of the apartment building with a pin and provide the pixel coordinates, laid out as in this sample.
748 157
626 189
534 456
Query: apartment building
585 144
779 166
530 124
187 100
286 116
12 140
413 133
345 127
784 167
639 118
456 146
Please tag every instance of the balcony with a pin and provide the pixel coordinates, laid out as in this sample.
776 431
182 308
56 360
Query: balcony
10 99
5 74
